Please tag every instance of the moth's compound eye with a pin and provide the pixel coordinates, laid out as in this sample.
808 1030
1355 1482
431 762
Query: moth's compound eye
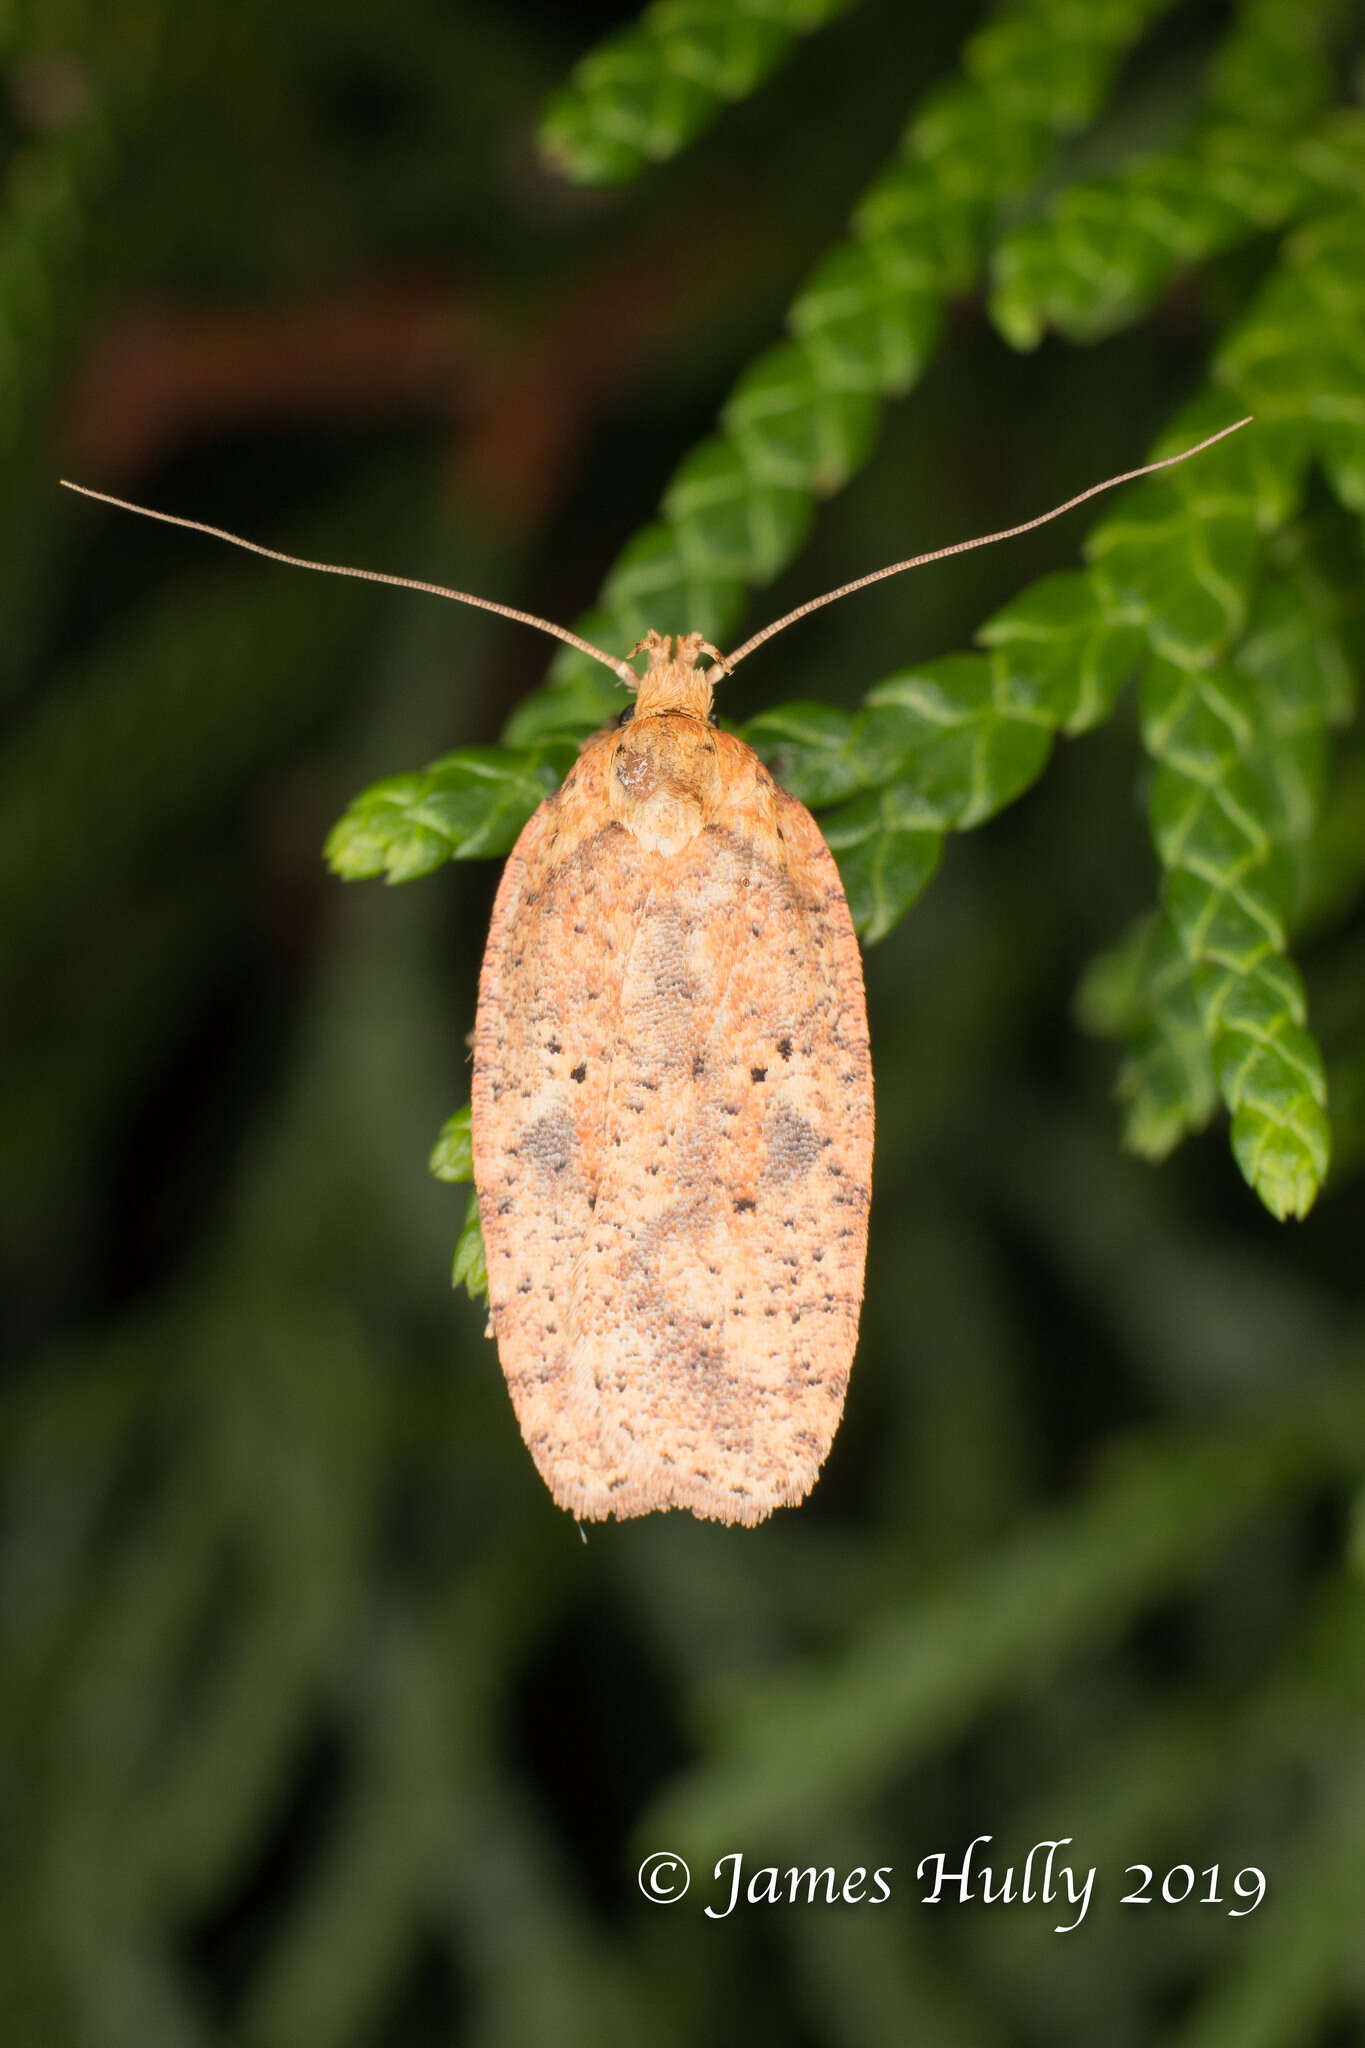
626 715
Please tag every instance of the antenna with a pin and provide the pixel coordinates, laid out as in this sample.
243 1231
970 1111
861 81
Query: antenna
960 547
619 668
623 669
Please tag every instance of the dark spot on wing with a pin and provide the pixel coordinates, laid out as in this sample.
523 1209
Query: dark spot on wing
550 1143
793 1145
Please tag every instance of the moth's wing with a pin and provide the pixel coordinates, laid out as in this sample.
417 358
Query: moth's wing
672 1133
734 1314
544 1044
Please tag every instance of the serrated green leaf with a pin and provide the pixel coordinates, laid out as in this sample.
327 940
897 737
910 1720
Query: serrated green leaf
1025 69
1271 1076
452 1156
925 235
1221 831
1284 1160
1184 578
1143 990
1166 1082
656 585
469 1268
467 806
886 859
452 1159
958 754
1297 658
1106 248
1333 155
1200 722
1086 271
1113 998
1341 450
1260 472
1057 650
1272 73
1300 356
864 328
989 149
581 698
650 89
1235 923
727 525
814 751
791 430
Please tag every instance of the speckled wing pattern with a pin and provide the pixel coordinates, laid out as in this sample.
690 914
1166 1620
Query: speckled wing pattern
672 1126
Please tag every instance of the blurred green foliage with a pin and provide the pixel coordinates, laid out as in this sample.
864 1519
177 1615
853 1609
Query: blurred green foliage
320 1724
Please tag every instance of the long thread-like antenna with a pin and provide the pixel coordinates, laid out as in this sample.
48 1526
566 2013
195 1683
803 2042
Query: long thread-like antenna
618 667
960 547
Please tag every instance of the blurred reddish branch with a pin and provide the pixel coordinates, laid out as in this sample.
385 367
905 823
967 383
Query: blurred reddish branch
519 382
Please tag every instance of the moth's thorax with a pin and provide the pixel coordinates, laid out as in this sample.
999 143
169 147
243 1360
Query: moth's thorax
664 780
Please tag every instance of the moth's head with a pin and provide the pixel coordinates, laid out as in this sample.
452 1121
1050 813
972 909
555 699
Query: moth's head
672 680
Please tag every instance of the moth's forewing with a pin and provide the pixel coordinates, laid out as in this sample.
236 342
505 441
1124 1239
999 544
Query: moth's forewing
672 1124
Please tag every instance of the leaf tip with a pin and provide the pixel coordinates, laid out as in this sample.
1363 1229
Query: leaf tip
1285 1165
452 1156
469 1268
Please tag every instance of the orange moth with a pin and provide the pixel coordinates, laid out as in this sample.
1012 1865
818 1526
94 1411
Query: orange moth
672 1121
672 1099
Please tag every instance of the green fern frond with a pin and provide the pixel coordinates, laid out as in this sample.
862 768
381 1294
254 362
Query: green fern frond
1106 249
469 1267
452 1159
452 1156
1299 363
1142 990
803 417
653 87
469 805
1241 743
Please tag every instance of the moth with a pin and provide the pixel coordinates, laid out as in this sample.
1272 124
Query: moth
672 1121
672 1098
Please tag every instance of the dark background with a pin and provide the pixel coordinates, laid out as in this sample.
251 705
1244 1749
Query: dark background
320 1724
